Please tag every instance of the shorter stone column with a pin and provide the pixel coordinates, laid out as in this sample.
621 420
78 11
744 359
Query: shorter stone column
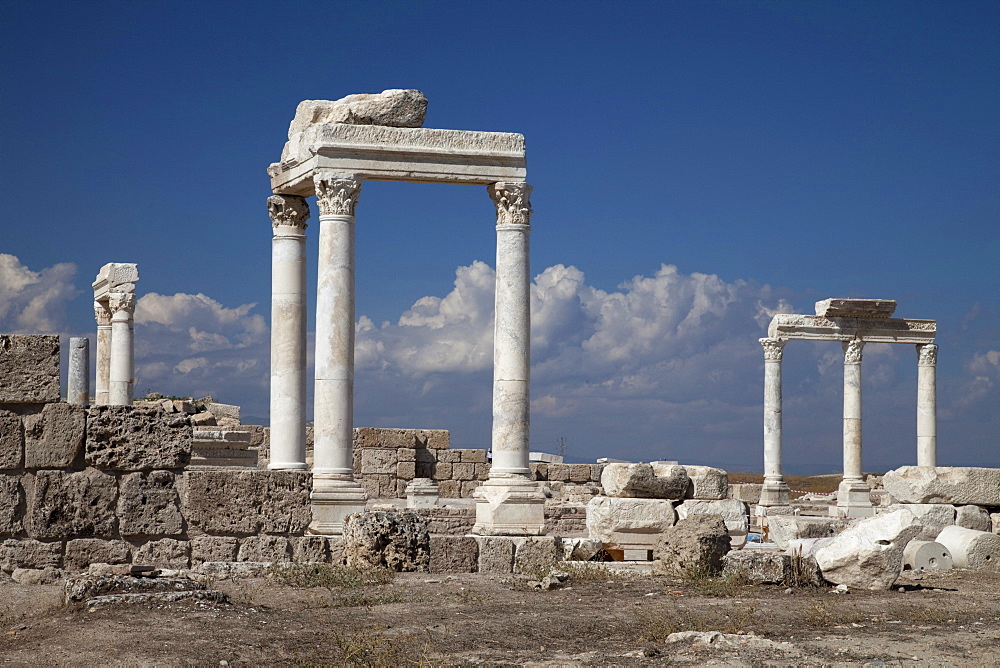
122 352
853 494
774 491
927 405
103 354
78 376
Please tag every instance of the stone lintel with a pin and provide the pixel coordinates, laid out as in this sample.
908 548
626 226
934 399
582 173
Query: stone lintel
117 277
856 308
872 330
378 153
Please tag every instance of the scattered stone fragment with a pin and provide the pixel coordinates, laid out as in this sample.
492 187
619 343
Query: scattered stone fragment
972 517
37 576
734 513
394 108
697 543
869 554
782 529
766 567
706 482
932 517
397 541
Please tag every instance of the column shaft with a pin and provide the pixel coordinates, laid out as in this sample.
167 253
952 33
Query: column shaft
78 376
927 405
288 332
121 386
103 354
774 491
853 495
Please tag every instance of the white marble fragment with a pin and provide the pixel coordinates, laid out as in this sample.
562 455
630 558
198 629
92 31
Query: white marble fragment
868 555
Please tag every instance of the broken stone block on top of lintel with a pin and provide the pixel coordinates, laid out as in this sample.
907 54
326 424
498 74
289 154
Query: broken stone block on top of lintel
855 308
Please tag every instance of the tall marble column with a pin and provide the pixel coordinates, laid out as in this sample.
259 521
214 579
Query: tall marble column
774 491
853 494
288 331
102 365
927 405
122 381
335 493
509 502
78 376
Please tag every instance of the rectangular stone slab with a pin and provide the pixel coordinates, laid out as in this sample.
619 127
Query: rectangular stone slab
875 330
856 308
378 153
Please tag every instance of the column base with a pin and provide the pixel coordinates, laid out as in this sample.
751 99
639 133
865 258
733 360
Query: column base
853 500
287 466
332 501
513 506
773 494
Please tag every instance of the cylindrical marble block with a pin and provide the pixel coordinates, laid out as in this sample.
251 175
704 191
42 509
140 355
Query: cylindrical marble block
78 377
511 352
926 555
973 549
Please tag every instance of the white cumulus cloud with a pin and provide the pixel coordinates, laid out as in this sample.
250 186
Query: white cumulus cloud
34 302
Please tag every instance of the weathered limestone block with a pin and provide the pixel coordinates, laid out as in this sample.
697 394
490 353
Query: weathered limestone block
11 441
496 554
869 554
373 437
577 549
72 505
83 552
926 555
463 471
535 555
148 504
163 553
442 471
706 482
629 522
394 108
977 550
263 548
37 576
696 543
54 437
957 485
782 529
473 456
639 481
29 369
310 549
11 504
378 460
454 554
734 513
212 548
746 492
932 517
132 438
247 502
18 553
972 517
995 522
398 541
450 489
759 566
223 411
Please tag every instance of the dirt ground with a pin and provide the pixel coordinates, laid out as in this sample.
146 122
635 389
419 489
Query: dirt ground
951 618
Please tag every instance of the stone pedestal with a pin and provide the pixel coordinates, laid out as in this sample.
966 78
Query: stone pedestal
288 331
422 493
78 377
335 493
927 405
510 503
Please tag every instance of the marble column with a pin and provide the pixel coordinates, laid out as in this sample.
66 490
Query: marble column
102 378
78 376
335 493
509 502
853 494
774 491
288 331
122 381
927 405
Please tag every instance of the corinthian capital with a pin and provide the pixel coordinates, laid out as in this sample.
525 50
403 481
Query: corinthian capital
511 199
772 349
288 210
122 301
102 314
927 354
852 351
337 194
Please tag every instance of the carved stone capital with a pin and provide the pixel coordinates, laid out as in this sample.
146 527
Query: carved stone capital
927 355
122 301
102 314
511 199
337 194
773 349
288 210
852 351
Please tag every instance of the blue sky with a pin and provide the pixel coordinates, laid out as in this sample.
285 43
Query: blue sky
697 166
